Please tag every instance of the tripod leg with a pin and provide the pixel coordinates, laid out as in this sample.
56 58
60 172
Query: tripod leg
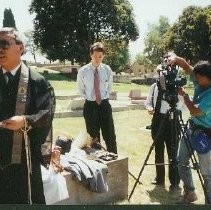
142 169
133 177
148 155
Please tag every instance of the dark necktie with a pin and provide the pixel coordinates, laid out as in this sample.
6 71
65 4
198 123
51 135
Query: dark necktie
97 87
10 78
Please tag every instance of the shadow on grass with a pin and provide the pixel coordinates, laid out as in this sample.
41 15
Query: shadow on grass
162 196
59 76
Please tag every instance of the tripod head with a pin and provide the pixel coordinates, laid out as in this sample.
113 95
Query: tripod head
169 82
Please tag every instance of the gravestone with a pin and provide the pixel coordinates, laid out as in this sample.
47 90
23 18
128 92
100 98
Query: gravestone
117 179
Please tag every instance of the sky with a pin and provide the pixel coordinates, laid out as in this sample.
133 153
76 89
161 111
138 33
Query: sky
145 11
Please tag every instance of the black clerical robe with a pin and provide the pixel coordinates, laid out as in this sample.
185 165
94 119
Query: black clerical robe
39 114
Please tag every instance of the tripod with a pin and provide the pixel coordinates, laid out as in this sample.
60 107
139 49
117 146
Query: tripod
177 127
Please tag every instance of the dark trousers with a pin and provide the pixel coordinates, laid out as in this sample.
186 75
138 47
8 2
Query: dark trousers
100 117
164 137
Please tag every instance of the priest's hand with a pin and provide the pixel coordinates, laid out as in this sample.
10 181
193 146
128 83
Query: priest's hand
14 123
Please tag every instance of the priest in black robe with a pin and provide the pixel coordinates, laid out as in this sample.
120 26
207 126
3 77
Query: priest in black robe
37 119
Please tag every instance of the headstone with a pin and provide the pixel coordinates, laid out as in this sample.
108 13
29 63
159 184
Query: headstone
135 94
113 95
117 186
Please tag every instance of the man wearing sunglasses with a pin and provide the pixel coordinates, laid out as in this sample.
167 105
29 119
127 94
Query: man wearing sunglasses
26 107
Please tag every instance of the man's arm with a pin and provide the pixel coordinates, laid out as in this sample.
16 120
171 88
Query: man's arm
80 84
44 108
110 79
149 100
44 104
174 59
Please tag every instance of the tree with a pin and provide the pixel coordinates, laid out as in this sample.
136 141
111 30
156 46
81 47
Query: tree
190 37
117 54
8 20
147 66
30 46
65 29
154 41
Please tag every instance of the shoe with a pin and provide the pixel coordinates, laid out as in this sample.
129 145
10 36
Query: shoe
155 182
149 127
96 145
188 197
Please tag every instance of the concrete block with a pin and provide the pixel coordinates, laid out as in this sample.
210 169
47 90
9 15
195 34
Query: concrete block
138 101
113 95
76 104
117 186
135 94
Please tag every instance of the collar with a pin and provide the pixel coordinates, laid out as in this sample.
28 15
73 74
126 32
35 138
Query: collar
93 67
13 71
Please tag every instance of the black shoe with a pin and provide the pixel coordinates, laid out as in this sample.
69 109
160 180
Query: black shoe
149 127
96 145
156 182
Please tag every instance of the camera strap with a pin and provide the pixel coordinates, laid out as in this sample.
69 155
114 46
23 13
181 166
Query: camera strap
153 95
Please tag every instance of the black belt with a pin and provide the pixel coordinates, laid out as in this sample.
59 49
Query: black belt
103 100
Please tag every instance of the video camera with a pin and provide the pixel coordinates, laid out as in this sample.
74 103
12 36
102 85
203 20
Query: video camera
169 82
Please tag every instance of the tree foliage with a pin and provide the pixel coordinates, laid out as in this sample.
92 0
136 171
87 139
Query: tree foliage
65 29
143 60
8 20
154 40
117 54
190 37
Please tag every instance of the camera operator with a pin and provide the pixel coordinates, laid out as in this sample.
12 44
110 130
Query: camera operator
158 107
200 111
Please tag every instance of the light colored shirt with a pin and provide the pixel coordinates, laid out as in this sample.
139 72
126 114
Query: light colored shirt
85 81
151 100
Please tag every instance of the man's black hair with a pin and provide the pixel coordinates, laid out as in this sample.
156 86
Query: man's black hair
203 68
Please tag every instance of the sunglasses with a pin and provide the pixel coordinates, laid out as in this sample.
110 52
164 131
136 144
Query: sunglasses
5 44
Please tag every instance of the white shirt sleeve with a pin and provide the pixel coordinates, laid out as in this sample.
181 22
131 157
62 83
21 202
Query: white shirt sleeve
150 98
110 79
80 84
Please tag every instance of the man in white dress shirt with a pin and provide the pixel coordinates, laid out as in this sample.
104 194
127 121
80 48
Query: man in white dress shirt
158 107
94 82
